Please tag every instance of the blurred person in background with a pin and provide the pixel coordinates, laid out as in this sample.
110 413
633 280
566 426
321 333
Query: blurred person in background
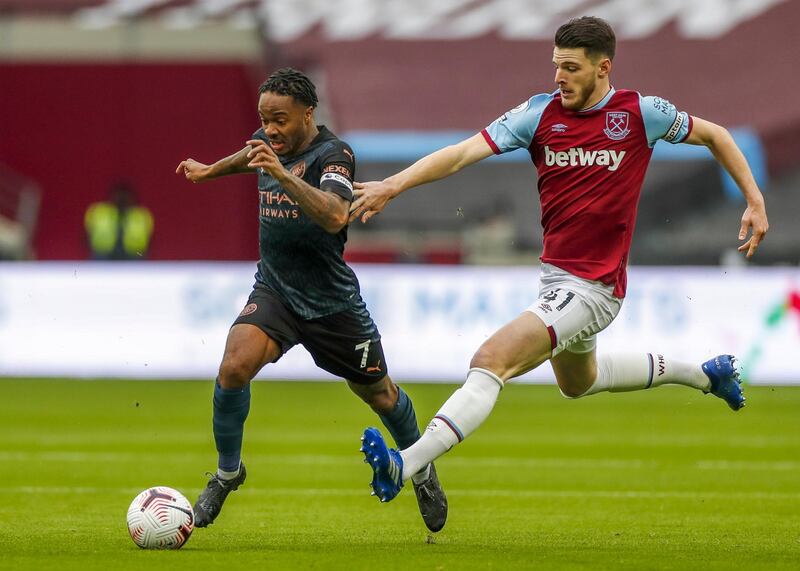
304 293
119 228
12 239
591 144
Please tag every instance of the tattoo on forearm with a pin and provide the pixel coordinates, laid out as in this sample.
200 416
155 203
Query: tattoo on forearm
321 206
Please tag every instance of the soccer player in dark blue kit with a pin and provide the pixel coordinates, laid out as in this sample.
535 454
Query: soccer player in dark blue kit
304 292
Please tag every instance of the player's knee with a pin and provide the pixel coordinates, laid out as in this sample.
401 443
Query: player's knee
234 372
486 358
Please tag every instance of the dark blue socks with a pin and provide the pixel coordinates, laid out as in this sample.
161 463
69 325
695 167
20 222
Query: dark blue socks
230 411
401 421
231 407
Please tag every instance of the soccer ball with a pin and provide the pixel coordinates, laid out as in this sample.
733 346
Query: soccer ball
160 518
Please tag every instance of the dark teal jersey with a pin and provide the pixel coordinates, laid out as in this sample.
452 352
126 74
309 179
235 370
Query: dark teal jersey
302 263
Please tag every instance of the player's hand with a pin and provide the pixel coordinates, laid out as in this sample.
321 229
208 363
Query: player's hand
193 170
370 198
755 219
262 156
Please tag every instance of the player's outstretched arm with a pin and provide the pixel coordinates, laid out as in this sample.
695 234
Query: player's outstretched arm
371 197
722 146
198 172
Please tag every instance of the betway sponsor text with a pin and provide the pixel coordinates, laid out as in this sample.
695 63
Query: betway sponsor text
579 157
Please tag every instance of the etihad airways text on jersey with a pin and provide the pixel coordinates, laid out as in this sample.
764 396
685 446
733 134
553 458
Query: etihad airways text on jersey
578 157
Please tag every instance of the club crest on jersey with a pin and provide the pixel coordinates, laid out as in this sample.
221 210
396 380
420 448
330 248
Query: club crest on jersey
616 125
299 169
248 309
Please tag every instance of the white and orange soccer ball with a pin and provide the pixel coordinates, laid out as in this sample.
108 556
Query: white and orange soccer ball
160 518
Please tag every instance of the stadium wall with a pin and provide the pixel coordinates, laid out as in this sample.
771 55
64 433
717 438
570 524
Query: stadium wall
160 320
78 128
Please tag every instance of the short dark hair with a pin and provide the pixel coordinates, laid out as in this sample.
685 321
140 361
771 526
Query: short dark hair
593 34
288 81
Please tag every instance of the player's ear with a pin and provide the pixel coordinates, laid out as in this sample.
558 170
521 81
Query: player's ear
605 67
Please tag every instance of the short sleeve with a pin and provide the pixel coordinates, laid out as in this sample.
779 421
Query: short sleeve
338 169
662 120
515 129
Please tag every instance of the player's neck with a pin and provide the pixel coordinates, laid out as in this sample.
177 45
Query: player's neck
310 136
599 93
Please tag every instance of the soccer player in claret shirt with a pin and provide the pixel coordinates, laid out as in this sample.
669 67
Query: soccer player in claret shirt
591 144
304 291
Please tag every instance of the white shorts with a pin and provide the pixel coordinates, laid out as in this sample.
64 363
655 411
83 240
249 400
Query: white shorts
574 310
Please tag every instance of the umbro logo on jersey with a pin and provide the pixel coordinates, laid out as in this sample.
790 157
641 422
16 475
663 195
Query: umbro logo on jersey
558 128
578 157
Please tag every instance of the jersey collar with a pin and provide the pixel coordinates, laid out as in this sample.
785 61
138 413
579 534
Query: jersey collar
322 134
602 103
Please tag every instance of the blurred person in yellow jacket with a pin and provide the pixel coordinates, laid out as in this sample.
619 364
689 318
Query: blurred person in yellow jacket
118 229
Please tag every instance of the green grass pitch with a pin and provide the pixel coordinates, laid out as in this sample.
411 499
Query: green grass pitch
665 479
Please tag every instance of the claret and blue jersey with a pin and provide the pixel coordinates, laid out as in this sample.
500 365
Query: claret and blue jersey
591 164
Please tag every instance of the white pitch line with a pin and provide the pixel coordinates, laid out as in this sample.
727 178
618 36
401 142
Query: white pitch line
689 441
748 465
471 462
323 459
498 493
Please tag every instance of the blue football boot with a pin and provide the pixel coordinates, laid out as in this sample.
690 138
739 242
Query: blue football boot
386 464
725 380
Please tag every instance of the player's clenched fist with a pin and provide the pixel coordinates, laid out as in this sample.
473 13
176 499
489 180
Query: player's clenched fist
262 156
193 170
